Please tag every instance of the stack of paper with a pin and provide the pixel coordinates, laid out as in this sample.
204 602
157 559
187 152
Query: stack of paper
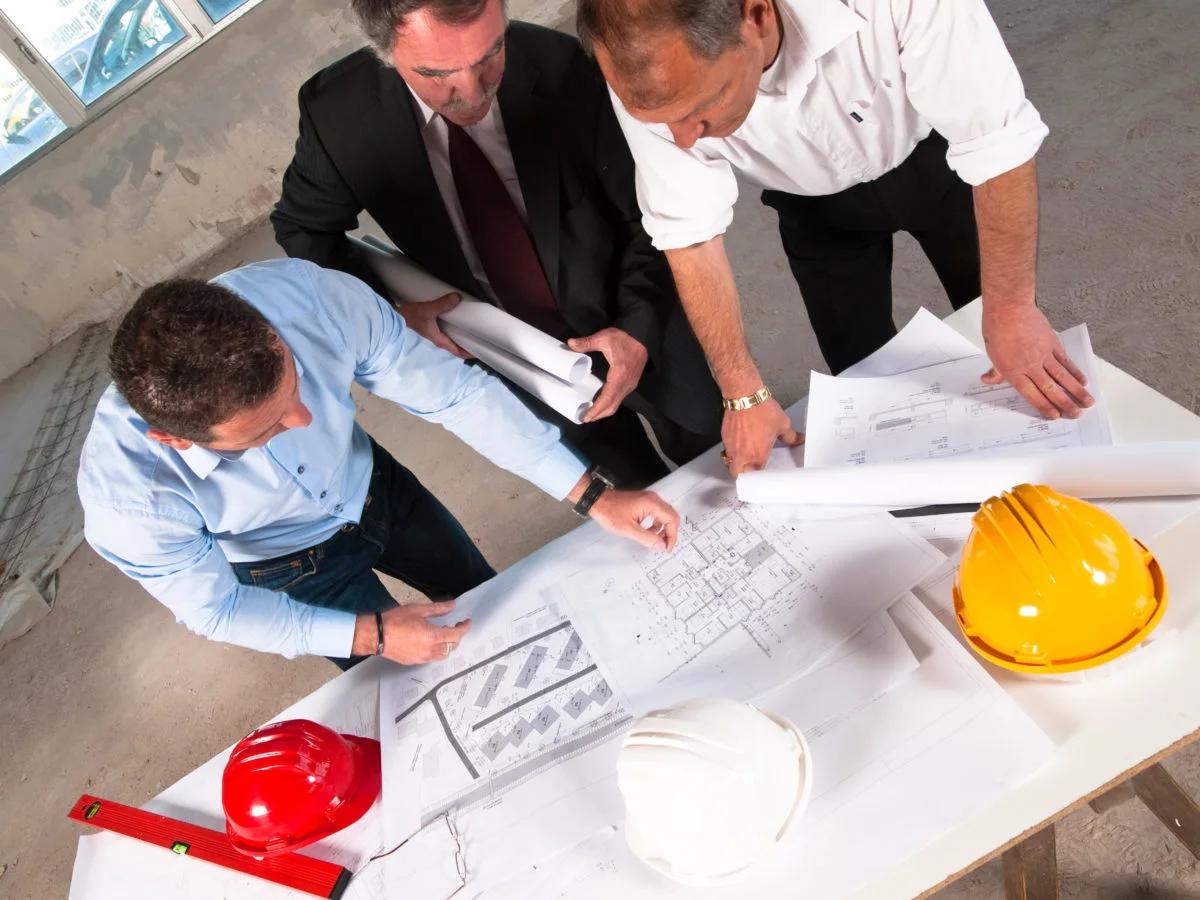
891 436
531 359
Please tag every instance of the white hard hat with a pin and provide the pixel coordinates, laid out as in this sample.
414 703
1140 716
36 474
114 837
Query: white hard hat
710 786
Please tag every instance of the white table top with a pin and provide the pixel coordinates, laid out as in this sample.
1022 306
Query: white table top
1103 727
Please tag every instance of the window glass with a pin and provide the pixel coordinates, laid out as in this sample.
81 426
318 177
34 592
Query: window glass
27 122
94 45
219 9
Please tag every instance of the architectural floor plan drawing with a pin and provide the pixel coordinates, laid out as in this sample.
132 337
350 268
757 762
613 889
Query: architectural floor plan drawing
941 411
535 698
750 597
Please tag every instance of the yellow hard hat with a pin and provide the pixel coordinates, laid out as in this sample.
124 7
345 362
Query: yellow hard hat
1049 583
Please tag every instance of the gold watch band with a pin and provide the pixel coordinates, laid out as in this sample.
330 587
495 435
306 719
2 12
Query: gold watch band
762 395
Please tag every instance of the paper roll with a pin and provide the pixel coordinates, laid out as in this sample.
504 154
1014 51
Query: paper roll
570 400
411 283
1126 470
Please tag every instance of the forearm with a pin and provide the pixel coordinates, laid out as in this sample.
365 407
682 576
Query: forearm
704 280
1006 214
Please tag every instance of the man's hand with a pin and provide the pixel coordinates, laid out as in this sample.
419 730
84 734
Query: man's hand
408 635
642 516
626 362
1026 353
423 319
749 435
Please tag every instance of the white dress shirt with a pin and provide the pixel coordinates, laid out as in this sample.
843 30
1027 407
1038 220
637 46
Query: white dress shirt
856 85
491 138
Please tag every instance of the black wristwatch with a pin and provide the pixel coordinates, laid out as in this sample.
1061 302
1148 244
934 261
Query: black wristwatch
601 481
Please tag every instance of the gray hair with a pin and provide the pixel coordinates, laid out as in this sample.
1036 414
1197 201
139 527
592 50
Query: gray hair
381 19
709 27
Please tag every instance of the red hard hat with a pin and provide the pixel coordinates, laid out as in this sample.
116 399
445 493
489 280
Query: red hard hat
289 784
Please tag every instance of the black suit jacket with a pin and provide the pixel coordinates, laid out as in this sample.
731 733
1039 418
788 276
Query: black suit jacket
360 148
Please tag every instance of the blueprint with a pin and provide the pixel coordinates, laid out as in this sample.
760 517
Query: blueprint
941 411
536 698
751 597
947 730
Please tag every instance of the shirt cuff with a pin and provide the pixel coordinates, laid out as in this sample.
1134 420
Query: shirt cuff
979 159
557 472
331 632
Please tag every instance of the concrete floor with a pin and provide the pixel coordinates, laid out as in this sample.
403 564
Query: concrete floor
108 694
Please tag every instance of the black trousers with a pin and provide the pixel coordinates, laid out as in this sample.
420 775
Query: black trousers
404 531
840 248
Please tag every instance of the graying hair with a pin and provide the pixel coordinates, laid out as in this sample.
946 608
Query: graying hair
381 19
709 27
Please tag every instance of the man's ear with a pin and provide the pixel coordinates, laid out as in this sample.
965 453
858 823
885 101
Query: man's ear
758 16
163 438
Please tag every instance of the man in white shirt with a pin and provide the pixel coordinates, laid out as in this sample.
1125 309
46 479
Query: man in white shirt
832 107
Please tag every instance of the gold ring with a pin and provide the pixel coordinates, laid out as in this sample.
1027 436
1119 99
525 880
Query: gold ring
448 647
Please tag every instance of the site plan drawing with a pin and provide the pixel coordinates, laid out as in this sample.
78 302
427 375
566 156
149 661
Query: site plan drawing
750 597
941 411
535 698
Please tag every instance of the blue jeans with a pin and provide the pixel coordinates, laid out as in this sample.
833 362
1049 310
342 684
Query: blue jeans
404 532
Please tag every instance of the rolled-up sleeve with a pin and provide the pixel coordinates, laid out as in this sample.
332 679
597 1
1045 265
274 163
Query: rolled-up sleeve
396 363
960 77
685 196
180 564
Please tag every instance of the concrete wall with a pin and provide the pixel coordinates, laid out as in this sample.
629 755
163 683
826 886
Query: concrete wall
167 176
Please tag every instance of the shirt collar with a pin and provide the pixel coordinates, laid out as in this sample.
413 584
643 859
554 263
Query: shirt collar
424 113
811 28
202 460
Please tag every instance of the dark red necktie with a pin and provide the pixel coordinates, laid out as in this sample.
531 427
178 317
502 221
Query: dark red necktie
501 237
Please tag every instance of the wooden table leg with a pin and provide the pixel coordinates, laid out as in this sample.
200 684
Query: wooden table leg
1113 798
1031 868
1170 803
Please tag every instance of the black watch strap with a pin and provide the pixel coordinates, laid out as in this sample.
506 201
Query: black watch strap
601 481
379 634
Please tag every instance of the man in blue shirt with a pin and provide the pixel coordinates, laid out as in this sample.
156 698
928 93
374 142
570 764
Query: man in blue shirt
224 470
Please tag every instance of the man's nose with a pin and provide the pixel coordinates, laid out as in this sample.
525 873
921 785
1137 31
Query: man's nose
297 416
687 133
471 89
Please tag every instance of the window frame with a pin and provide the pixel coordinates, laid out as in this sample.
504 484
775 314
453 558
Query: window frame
31 65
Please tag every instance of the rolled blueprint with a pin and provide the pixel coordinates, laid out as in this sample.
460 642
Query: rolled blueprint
570 400
481 320
1127 470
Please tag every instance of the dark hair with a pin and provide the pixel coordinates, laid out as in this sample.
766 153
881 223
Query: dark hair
381 19
190 355
710 27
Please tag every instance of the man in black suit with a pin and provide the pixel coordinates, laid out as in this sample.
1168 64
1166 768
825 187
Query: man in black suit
490 155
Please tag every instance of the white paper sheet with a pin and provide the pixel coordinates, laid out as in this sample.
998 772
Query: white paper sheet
942 411
409 282
347 704
1127 470
748 599
947 730
539 363
925 341
572 400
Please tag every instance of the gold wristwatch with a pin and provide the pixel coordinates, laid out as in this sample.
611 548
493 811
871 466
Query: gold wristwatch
762 395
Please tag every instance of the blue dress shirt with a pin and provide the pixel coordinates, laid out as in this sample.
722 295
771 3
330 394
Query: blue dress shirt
174 521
